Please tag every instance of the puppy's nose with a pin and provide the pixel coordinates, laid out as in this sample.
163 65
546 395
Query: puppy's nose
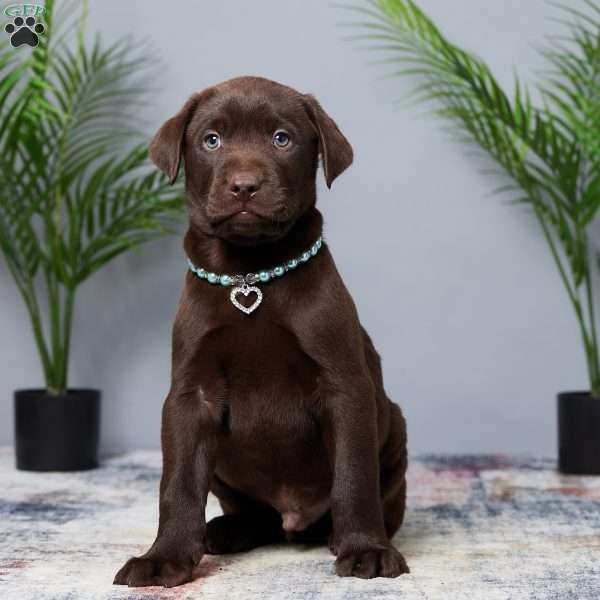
244 185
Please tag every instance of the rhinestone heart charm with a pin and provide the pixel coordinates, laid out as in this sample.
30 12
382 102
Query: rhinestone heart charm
245 290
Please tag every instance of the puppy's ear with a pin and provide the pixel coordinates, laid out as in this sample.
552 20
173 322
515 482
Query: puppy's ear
336 151
166 146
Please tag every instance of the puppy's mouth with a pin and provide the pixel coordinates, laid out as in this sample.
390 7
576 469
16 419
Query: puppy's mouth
248 226
245 217
240 218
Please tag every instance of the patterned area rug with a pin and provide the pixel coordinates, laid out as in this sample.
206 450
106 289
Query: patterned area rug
477 528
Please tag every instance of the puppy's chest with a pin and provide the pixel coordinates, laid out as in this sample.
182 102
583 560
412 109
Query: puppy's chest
272 447
272 385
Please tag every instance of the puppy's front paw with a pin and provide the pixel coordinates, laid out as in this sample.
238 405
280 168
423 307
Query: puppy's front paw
378 562
150 569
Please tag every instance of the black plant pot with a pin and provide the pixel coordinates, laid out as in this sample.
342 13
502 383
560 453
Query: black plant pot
578 433
57 433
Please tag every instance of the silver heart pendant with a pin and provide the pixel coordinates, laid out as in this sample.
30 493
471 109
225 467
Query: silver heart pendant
246 290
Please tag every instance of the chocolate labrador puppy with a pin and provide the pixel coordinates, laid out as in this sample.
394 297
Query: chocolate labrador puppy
277 403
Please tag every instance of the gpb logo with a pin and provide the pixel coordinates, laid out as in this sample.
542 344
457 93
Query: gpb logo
24 10
25 27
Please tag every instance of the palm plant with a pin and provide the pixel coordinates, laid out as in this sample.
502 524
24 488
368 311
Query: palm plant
551 151
75 187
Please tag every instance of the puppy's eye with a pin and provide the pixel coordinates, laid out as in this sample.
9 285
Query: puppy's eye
212 141
281 139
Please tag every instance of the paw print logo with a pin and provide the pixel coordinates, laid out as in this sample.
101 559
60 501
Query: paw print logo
24 31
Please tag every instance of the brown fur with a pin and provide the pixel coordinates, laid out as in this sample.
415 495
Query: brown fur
282 413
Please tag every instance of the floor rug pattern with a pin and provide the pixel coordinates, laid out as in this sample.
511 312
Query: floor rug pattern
477 528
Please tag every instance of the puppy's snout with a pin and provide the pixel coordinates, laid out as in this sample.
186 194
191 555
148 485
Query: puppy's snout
244 185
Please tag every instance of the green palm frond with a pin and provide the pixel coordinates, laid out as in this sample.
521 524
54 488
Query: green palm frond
551 152
76 186
574 87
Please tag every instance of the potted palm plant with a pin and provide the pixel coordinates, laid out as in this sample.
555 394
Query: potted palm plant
76 191
551 152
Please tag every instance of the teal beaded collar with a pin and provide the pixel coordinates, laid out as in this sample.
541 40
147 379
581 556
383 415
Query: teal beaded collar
245 284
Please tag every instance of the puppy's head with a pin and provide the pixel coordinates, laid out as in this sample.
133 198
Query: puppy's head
250 148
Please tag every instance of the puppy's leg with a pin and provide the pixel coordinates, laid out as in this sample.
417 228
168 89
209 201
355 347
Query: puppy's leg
393 456
245 525
393 460
353 413
190 428
359 534
393 463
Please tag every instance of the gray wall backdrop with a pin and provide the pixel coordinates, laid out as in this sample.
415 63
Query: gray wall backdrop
456 287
